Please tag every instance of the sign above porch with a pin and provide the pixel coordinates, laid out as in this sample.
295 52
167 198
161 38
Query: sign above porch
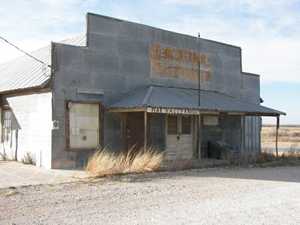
172 110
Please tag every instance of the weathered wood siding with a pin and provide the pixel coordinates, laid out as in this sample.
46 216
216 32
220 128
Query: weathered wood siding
181 148
252 129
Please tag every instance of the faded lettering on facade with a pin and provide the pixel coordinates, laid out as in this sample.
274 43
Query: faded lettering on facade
211 120
179 63
175 111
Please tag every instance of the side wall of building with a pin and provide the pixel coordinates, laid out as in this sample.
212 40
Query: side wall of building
31 126
251 124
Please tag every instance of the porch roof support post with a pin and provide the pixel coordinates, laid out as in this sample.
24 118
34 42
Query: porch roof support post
242 134
145 130
198 137
277 129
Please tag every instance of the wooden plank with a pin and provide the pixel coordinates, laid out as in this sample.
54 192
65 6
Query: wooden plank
277 129
199 137
145 130
126 110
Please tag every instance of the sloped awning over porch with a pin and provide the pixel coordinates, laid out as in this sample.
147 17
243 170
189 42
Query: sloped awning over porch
172 100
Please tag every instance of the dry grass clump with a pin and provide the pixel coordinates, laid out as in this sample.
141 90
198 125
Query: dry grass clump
3 157
28 159
283 159
265 157
291 155
104 162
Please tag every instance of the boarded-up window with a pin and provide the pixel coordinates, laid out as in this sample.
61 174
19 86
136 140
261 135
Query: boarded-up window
83 125
186 125
172 125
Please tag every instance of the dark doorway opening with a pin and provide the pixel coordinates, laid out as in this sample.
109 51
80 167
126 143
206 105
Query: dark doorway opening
135 130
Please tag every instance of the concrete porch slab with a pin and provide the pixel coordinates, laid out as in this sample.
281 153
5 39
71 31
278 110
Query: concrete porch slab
14 174
192 164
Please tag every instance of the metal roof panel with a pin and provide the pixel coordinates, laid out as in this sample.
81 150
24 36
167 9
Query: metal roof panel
171 97
25 72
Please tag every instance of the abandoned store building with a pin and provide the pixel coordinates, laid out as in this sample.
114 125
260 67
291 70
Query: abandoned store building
125 85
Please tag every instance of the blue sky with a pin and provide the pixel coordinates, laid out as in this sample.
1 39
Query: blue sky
268 32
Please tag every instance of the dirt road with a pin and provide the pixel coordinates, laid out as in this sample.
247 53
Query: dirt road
215 196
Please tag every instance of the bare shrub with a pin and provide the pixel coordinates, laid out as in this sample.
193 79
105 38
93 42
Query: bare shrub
290 155
103 162
265 157
28 159
3 156
284 159
296 134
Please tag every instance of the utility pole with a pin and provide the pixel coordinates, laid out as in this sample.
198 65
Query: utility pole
199 74
276 138
199 101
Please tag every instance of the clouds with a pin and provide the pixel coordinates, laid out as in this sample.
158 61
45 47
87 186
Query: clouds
266 17
275 57
30 18
33 24
275 60
266 30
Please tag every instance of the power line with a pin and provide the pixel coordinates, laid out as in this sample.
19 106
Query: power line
26 53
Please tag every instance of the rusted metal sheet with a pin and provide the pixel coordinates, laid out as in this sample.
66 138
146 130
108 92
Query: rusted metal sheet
179 63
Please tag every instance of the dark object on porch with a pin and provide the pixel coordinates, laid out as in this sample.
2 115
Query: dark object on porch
218 150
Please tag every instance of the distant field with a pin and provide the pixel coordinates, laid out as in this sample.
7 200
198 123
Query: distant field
288 139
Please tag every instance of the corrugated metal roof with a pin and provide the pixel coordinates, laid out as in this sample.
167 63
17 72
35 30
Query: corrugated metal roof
169 97
25 72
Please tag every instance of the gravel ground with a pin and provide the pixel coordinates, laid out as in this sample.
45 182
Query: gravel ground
211 196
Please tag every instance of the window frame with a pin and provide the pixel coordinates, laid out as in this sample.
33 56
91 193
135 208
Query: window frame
67 124
3 110
190 124
177 125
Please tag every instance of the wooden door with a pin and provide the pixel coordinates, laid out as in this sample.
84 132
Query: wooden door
135 130
179 140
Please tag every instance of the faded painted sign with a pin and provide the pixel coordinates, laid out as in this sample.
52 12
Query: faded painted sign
179 63
211 120
172 110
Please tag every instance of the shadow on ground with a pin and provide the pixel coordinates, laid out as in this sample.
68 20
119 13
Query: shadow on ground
283 174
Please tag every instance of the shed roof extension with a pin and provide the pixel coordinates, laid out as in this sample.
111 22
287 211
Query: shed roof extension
182 98
24 72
